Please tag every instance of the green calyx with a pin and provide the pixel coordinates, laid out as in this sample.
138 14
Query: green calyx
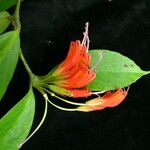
60 90
43 84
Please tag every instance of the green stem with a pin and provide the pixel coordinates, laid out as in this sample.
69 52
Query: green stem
37 128
59 107
64 100
17 11
69 102
16 21
17 25
26 65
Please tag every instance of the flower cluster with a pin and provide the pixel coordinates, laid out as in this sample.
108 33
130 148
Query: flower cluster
71 78
73 75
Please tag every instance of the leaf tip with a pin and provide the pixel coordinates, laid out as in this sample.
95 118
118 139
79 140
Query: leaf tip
146 72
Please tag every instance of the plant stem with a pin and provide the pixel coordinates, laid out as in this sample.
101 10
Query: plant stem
26 65
37 128
17 11
16 22
59 107
64 100
17 25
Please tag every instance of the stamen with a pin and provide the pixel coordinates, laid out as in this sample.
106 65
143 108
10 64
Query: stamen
69 102
97 63
64 100
85 41
97 93
87 44
59 107
128 89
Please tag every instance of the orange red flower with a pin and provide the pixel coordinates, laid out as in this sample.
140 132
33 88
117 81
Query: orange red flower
71 77
108 100
73 74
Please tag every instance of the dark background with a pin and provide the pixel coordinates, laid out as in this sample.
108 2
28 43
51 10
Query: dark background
48 26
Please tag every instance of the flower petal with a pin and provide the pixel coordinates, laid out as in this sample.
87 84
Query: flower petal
108 100
80 79
80 93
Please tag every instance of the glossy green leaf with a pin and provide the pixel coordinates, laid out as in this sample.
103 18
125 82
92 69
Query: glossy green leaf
113 71
9 53
4 21
5 4
16 124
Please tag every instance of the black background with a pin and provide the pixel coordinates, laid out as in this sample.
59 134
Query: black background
48 26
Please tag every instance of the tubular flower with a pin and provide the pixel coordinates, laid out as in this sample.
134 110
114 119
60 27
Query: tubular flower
71 77
108 100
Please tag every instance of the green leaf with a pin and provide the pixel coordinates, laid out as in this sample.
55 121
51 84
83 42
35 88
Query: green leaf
16 124
5 4
4 21
113 71
9 53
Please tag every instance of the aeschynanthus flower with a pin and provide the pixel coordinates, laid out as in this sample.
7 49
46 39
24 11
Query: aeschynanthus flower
71 77
108 100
